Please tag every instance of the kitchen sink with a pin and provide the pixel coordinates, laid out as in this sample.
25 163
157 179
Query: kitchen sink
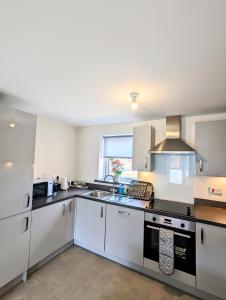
117 198
107 196
98 194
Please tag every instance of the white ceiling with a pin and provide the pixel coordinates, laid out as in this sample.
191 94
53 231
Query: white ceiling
78 60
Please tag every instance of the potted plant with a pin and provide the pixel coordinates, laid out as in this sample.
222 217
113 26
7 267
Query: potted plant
117 168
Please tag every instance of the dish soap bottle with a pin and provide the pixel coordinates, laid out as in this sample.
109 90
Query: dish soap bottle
120 189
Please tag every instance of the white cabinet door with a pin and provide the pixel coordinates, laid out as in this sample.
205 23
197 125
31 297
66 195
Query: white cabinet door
48 231
210 144
124 233
17 148
211 259
17 143
16 190
90 223
14 246
143 141
70 219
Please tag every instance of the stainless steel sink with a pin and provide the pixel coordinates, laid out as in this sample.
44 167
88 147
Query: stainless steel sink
97 194
117 198
107 196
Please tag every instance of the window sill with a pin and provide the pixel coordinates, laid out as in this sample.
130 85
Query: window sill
110 182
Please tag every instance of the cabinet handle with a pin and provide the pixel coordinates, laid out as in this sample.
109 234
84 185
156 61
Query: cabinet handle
70 206
28 199
146 163
26 223
121 212
201 164
64 209
101 212
202 236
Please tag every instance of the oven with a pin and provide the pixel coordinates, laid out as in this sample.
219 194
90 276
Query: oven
184 241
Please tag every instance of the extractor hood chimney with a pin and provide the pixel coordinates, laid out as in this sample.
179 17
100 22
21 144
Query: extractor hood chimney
173 144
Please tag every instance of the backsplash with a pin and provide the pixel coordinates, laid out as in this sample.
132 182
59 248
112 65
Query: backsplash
173 177
188 187
203 182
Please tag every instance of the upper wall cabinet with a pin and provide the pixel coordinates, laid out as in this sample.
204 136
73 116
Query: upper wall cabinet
17 138
17 148
210 144
143 141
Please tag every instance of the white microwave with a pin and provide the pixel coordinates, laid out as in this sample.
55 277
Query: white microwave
42 188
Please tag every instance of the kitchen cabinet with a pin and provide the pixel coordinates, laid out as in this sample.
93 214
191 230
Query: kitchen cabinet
124 233
210 261
70 219
17 144
143 141
210 144
48 231
90 223
14 250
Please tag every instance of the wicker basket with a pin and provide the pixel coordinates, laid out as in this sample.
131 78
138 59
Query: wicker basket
140 190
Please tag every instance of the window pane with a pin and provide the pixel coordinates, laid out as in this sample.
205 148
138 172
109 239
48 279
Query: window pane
118 146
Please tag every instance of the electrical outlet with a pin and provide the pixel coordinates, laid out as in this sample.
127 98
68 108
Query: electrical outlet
215 191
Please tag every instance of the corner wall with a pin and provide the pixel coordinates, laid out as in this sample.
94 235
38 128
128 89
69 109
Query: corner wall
55 150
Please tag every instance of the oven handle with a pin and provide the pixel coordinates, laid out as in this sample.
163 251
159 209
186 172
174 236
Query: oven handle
176 233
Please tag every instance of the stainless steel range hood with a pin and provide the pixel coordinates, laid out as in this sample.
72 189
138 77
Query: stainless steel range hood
173 144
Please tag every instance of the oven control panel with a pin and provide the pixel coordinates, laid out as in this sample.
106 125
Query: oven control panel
171 222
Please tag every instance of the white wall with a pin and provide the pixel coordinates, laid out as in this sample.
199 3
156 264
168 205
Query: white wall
55 151
88 149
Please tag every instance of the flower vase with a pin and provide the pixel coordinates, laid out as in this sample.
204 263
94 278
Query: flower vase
116 178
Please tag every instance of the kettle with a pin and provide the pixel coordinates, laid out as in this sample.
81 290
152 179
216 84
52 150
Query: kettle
64 183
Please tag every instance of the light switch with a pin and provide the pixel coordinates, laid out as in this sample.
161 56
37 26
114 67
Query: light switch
215 191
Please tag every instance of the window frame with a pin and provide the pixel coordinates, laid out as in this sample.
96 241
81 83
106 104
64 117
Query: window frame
102 158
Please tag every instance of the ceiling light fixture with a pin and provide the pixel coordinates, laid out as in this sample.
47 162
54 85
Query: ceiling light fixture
133 97
12 125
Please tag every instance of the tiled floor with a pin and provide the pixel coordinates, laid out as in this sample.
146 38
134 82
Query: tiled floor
81 275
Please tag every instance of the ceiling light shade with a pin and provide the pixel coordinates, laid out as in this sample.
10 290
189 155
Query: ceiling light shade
134 105
133 97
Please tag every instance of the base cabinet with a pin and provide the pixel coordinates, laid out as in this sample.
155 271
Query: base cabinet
48 231
124 233
14 249
211 259
90 223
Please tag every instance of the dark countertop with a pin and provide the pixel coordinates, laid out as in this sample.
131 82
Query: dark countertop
60 196
204 211
210 212
166 207
79 192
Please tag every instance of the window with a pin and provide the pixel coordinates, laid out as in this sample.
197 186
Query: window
117 157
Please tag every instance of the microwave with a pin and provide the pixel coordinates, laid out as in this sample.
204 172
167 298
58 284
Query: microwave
42 188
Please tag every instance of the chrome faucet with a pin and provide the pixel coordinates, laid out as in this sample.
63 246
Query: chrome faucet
113 182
